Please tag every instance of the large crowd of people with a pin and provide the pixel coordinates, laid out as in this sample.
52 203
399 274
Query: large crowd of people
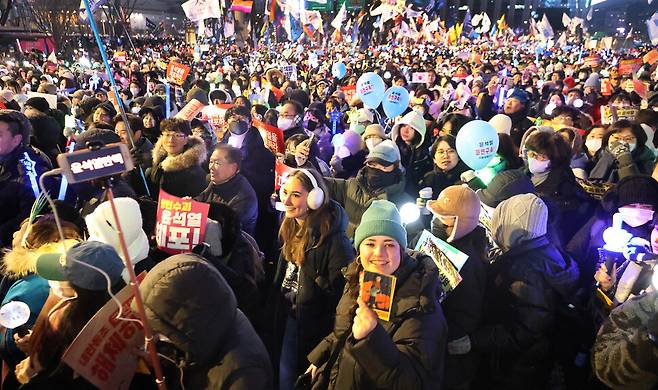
271 298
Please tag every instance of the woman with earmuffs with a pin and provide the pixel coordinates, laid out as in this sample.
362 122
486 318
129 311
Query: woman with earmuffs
308 282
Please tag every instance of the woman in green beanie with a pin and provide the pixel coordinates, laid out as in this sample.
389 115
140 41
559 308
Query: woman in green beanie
406 352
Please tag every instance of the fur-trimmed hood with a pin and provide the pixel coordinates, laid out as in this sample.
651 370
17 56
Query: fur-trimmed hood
195 153
21 261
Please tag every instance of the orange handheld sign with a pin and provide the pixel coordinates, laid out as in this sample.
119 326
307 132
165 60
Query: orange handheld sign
177 72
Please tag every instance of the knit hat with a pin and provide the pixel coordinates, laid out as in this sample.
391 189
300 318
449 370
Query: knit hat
374 130
102 227
460 202
631 189
520 95
198 94
38 103
519 219
103 136
107 107
386 152
413 119
505 185
67 267
502 123
593 81
382 218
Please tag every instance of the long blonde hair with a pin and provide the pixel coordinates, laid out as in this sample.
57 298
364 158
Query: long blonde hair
296 237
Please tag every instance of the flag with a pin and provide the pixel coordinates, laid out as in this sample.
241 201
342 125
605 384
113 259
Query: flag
485 24
590 13
314 18
652 26
467 26
566 20
502 25
545 28
150 25
630 33
229 26
575 22
476 20
93 5
52 58
340 17
196 10
562 41
242 6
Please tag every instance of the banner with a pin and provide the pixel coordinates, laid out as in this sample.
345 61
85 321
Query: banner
281 172
191 110
102 353
627 67
651 57
180 223
592 61
196 10
177 73
272 136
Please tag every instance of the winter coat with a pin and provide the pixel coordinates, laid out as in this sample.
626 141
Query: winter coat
143 156
417 162
220 349
320 285
406 352
354 195
623 356
520 121
180 175
438 180
526 285
238 194
463 307
47 135
608 169
19 174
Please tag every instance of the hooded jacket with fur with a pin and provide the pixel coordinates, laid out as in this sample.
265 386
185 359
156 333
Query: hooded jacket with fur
180 175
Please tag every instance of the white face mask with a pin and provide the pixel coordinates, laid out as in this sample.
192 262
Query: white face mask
285 123
372 142
135 92
537 166
634 217
60 291
632 147
593 145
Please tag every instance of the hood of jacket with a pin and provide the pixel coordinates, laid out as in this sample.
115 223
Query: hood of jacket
188 301
194 154
416 121
519 219
390 190
21 261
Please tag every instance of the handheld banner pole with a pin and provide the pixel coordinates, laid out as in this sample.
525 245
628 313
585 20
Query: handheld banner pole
148 336
115 89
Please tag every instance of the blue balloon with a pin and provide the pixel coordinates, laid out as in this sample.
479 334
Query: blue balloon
338 70
396 100
370 89
477 143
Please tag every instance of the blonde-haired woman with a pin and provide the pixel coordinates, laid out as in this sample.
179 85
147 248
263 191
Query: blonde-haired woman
308 282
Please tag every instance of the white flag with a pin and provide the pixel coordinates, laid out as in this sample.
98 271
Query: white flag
340 17
590 13
485 25
652 26
475 21
52 58
566 20
575 22
93 5
562 41
546 28
196 10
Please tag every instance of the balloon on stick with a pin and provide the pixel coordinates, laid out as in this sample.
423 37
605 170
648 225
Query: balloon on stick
477 143
396 100
338 70
370 88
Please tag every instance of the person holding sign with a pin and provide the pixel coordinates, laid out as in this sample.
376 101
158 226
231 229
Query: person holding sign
364 351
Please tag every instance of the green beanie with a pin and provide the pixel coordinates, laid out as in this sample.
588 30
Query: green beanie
381 219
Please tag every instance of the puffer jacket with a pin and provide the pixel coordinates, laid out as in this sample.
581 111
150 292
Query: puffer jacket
610 170
319 289
219 348
623 355
239 195
406 352
180 175
353 194
438 180
526 285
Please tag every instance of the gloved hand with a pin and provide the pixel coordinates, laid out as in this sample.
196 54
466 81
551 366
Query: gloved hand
460 346
620 150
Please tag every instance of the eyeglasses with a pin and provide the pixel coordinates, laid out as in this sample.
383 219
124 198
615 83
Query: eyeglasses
173 135
447 152
536 156
630 139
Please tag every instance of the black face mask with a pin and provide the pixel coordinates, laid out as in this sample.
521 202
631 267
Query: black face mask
377 179
289 160
439 229
238 127
311 125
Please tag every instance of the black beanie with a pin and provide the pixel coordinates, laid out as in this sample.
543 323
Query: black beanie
632 189
38 103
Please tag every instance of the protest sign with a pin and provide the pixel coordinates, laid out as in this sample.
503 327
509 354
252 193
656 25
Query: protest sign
102 353
191 110
651 57
592 61
448 259
420 77
627 67
180 223
272 136
611 115
290 71
606 88
377 292
281 172
349 91
214 115
177 72
119 56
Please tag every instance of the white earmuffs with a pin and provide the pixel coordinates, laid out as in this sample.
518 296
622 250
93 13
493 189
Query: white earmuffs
315 196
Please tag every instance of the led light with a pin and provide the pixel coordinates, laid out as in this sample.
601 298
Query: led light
409 213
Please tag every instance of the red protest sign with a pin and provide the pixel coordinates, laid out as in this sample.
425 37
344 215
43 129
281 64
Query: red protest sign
177 73
272 136
592 61
651 57
214 115
180 223
191 110
102 352
606 88
281 172
349 91
640 88
120 56
629 66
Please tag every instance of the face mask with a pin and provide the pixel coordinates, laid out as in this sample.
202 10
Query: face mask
135 110
635 217
285 123
236 90
311 125
238 127
537 166
134 91
439 229
632 147
59 291
377 179
372 142
593 145
357 128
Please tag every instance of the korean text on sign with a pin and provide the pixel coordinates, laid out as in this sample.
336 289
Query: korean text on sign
181 223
